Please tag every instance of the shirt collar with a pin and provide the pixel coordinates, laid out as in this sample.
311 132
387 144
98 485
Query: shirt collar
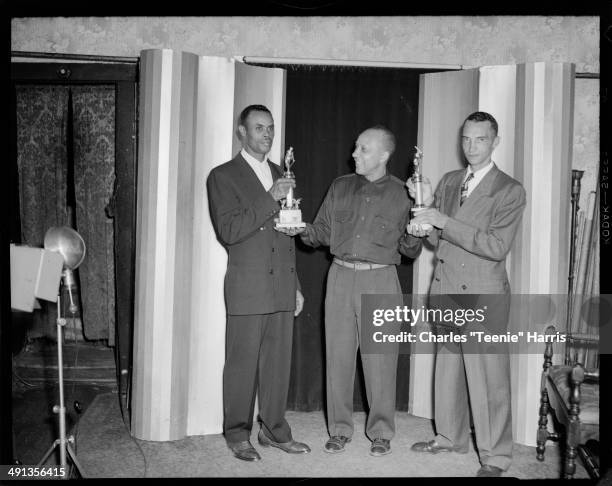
252 160
380 180
480 173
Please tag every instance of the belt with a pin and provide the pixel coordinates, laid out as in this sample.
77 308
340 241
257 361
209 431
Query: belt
360 265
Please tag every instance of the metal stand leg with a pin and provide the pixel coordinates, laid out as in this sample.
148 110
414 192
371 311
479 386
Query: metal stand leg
61 408
48 453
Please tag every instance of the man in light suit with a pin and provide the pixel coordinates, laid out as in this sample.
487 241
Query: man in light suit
261 289
476 213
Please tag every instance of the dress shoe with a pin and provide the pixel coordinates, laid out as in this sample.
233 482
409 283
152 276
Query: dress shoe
336 444
291 447
433 447
488 471
380 447
244 450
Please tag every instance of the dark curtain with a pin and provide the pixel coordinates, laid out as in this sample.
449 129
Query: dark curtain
65 158
93 110
326 109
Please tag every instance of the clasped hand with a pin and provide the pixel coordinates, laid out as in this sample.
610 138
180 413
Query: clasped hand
289 231
427 190
281 187
427 216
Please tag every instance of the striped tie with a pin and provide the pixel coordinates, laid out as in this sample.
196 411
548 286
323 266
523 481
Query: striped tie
464 188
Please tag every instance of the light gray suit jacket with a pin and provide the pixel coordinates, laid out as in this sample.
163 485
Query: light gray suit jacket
471 250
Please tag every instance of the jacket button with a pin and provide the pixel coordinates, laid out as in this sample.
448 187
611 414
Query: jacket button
441 260
292 270
271 271
272 250
437 279
463 287
261 228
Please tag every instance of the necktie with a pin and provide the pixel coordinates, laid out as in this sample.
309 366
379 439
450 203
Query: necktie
464 188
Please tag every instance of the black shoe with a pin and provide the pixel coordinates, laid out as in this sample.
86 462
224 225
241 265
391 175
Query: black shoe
432 447
380 447
244 450
488 471
336 444
291 447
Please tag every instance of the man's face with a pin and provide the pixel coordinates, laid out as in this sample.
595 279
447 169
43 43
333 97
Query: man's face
370 154
257 133
478 141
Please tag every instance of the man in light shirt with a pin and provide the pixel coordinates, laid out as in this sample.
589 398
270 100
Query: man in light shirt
476 213
262 291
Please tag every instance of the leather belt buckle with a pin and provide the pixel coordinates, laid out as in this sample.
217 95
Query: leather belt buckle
359 265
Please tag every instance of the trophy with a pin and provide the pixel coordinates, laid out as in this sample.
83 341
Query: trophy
417 179
290 215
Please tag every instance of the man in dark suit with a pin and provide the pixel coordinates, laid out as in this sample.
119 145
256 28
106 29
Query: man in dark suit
261 289
476 213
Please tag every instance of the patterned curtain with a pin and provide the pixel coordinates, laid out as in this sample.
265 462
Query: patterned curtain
42 117
43 122
94 177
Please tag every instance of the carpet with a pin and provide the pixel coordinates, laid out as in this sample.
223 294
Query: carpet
105 449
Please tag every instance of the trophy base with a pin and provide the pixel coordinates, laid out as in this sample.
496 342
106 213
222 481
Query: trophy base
290 225
290 218
423 226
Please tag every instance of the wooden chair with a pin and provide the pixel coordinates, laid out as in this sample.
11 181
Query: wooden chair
572 393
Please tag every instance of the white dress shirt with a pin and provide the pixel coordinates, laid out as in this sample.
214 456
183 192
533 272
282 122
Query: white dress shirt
478 175
262 169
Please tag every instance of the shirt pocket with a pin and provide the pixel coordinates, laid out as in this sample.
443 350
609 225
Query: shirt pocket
384 232
342 215
342 228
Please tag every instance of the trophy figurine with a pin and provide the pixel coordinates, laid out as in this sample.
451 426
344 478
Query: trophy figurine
290 215
417 179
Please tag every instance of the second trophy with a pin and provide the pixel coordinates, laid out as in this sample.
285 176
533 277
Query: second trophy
290 215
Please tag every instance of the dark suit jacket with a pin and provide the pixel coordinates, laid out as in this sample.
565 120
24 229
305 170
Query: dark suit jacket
471 249
261 277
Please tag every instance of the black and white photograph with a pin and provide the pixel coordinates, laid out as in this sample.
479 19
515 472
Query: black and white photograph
306 246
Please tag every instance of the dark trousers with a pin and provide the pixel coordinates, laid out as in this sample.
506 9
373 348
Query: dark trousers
342 339
257 362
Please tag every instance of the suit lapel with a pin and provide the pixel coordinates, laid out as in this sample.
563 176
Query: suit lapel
248 175
250 182
454 193
275 169
482 189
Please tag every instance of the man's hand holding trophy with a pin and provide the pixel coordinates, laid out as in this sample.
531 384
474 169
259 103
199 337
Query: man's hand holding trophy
290 221
420 190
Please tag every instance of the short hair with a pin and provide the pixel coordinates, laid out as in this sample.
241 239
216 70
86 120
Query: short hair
247 111
482 116
388 138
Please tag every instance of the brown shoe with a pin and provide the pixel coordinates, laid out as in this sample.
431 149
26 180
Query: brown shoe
488 471
336 444
244 451
291 447
432 447
380 447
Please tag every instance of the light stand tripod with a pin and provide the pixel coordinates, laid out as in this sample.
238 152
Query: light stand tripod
64 441
71 246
